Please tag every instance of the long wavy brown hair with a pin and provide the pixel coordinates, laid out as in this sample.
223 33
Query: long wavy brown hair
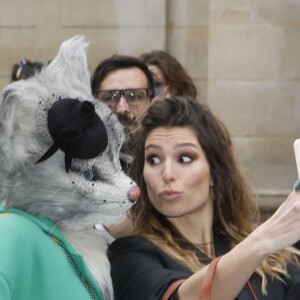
174 74
232 198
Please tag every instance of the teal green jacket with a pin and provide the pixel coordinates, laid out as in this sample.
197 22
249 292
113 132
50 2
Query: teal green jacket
34 263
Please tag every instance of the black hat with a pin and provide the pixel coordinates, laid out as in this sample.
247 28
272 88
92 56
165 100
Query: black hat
76 129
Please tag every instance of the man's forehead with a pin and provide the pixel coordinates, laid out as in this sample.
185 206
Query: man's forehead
124 79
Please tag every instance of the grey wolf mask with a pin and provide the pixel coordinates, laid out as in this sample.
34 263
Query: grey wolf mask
75 185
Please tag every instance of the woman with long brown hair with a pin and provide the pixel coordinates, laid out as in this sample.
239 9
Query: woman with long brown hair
170 77
195 206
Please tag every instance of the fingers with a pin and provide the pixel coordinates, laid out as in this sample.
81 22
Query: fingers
282 229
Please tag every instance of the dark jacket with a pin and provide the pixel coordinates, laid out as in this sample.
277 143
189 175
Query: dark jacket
141 270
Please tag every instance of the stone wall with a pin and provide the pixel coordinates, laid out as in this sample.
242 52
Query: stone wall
244 56
254 86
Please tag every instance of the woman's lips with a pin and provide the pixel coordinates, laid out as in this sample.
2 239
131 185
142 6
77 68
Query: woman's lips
169 195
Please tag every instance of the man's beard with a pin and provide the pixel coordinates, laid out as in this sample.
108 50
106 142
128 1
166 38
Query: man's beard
127 122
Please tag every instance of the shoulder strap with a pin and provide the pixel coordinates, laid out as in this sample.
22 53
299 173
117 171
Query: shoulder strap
207 283
172 288
251 290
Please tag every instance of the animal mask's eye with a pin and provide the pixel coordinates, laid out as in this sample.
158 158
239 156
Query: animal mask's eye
89 175
92 174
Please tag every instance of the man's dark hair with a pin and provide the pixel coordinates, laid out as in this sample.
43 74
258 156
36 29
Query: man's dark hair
117 62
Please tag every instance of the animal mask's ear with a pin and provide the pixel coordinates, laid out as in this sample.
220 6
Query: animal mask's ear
10 152
8 102
67 75
68 71
7 111
76 129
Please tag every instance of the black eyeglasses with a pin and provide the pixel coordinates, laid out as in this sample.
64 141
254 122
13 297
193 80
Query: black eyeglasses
134 97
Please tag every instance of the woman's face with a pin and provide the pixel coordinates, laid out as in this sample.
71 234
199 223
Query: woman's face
161 89
176 173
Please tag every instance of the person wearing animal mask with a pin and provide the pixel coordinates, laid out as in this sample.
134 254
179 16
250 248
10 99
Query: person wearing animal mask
193 223
60 174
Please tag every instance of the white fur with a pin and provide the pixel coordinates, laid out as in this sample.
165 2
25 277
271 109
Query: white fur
74 201
93 250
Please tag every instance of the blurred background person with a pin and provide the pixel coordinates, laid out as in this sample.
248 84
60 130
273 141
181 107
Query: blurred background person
25 69
170 78
125 84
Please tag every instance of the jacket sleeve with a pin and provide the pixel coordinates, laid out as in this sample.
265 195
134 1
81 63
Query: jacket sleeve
140 270
293 292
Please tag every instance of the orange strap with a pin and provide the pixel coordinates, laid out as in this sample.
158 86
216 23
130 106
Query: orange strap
206 286
172 288
207 283
251 290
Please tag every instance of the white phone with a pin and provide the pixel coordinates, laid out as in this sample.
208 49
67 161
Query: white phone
297 155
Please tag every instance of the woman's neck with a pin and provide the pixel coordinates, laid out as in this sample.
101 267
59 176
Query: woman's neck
196 229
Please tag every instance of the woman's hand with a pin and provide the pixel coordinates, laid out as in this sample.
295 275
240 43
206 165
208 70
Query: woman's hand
282 229
122 227
278 232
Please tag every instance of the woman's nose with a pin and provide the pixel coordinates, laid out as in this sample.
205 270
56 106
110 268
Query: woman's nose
168 172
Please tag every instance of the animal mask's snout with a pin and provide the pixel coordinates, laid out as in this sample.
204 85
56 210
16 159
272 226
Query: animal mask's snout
134 194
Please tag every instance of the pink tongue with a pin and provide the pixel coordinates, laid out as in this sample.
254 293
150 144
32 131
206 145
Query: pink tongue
134 194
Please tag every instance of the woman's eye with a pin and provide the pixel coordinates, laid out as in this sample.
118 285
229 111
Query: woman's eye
185 159
153 160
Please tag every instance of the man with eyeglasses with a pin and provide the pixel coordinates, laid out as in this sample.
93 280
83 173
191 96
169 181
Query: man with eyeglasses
125 84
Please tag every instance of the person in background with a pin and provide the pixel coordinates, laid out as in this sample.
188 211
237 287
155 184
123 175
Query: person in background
25 69
170 78
195 206
125 84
